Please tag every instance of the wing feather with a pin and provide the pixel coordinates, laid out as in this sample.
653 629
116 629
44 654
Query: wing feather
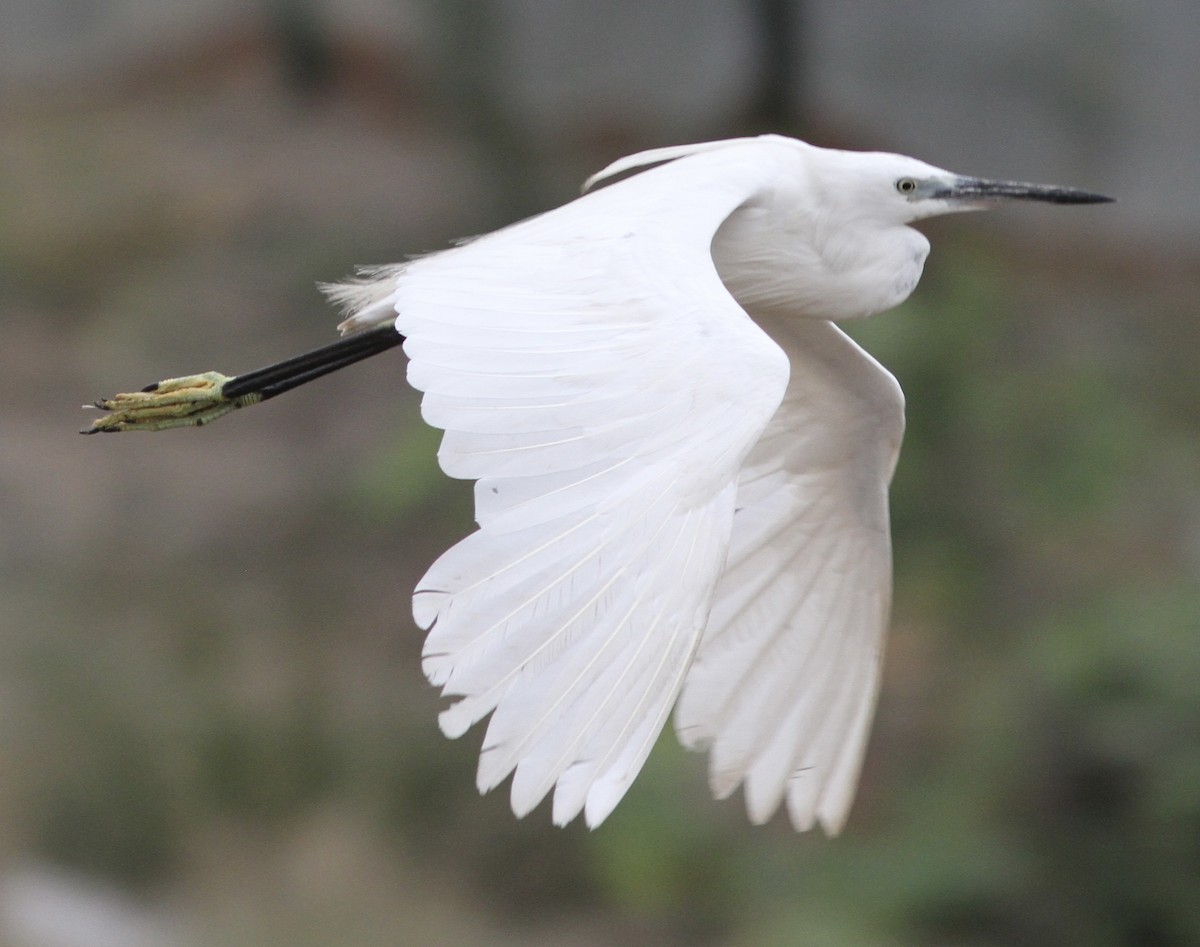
786 677
596 379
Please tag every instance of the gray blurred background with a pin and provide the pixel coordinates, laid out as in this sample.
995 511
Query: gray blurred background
213 727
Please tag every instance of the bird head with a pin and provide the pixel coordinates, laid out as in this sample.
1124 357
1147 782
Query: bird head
897 189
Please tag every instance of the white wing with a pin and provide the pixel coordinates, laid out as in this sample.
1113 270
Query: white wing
595 377
784 685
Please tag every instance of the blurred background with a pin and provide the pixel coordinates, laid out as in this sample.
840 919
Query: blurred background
213 727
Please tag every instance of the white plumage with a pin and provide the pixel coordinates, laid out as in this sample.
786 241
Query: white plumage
681 469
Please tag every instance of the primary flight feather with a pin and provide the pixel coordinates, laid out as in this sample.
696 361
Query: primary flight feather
681 465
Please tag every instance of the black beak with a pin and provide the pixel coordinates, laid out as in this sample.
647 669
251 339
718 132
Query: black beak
981 191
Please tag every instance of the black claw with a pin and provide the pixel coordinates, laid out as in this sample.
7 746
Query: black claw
152 387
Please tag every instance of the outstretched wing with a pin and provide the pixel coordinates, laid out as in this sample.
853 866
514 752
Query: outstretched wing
595 378
783 687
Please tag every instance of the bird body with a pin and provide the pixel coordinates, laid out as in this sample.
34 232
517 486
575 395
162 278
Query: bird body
681 464
671 500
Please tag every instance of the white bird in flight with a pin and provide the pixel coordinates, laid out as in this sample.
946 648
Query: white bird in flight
681 464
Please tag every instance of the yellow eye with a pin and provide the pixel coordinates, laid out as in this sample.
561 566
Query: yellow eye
906 185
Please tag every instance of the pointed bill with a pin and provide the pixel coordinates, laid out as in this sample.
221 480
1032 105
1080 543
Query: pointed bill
982 191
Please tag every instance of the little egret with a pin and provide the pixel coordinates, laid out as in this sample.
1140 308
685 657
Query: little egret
681 464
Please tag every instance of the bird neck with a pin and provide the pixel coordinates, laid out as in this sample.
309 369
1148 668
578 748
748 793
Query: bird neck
847 269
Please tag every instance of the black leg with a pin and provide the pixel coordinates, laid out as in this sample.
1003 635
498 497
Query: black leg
195 400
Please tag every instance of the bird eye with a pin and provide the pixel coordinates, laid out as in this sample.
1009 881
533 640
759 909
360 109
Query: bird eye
906 185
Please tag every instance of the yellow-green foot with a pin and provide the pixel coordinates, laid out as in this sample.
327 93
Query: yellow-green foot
176 402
